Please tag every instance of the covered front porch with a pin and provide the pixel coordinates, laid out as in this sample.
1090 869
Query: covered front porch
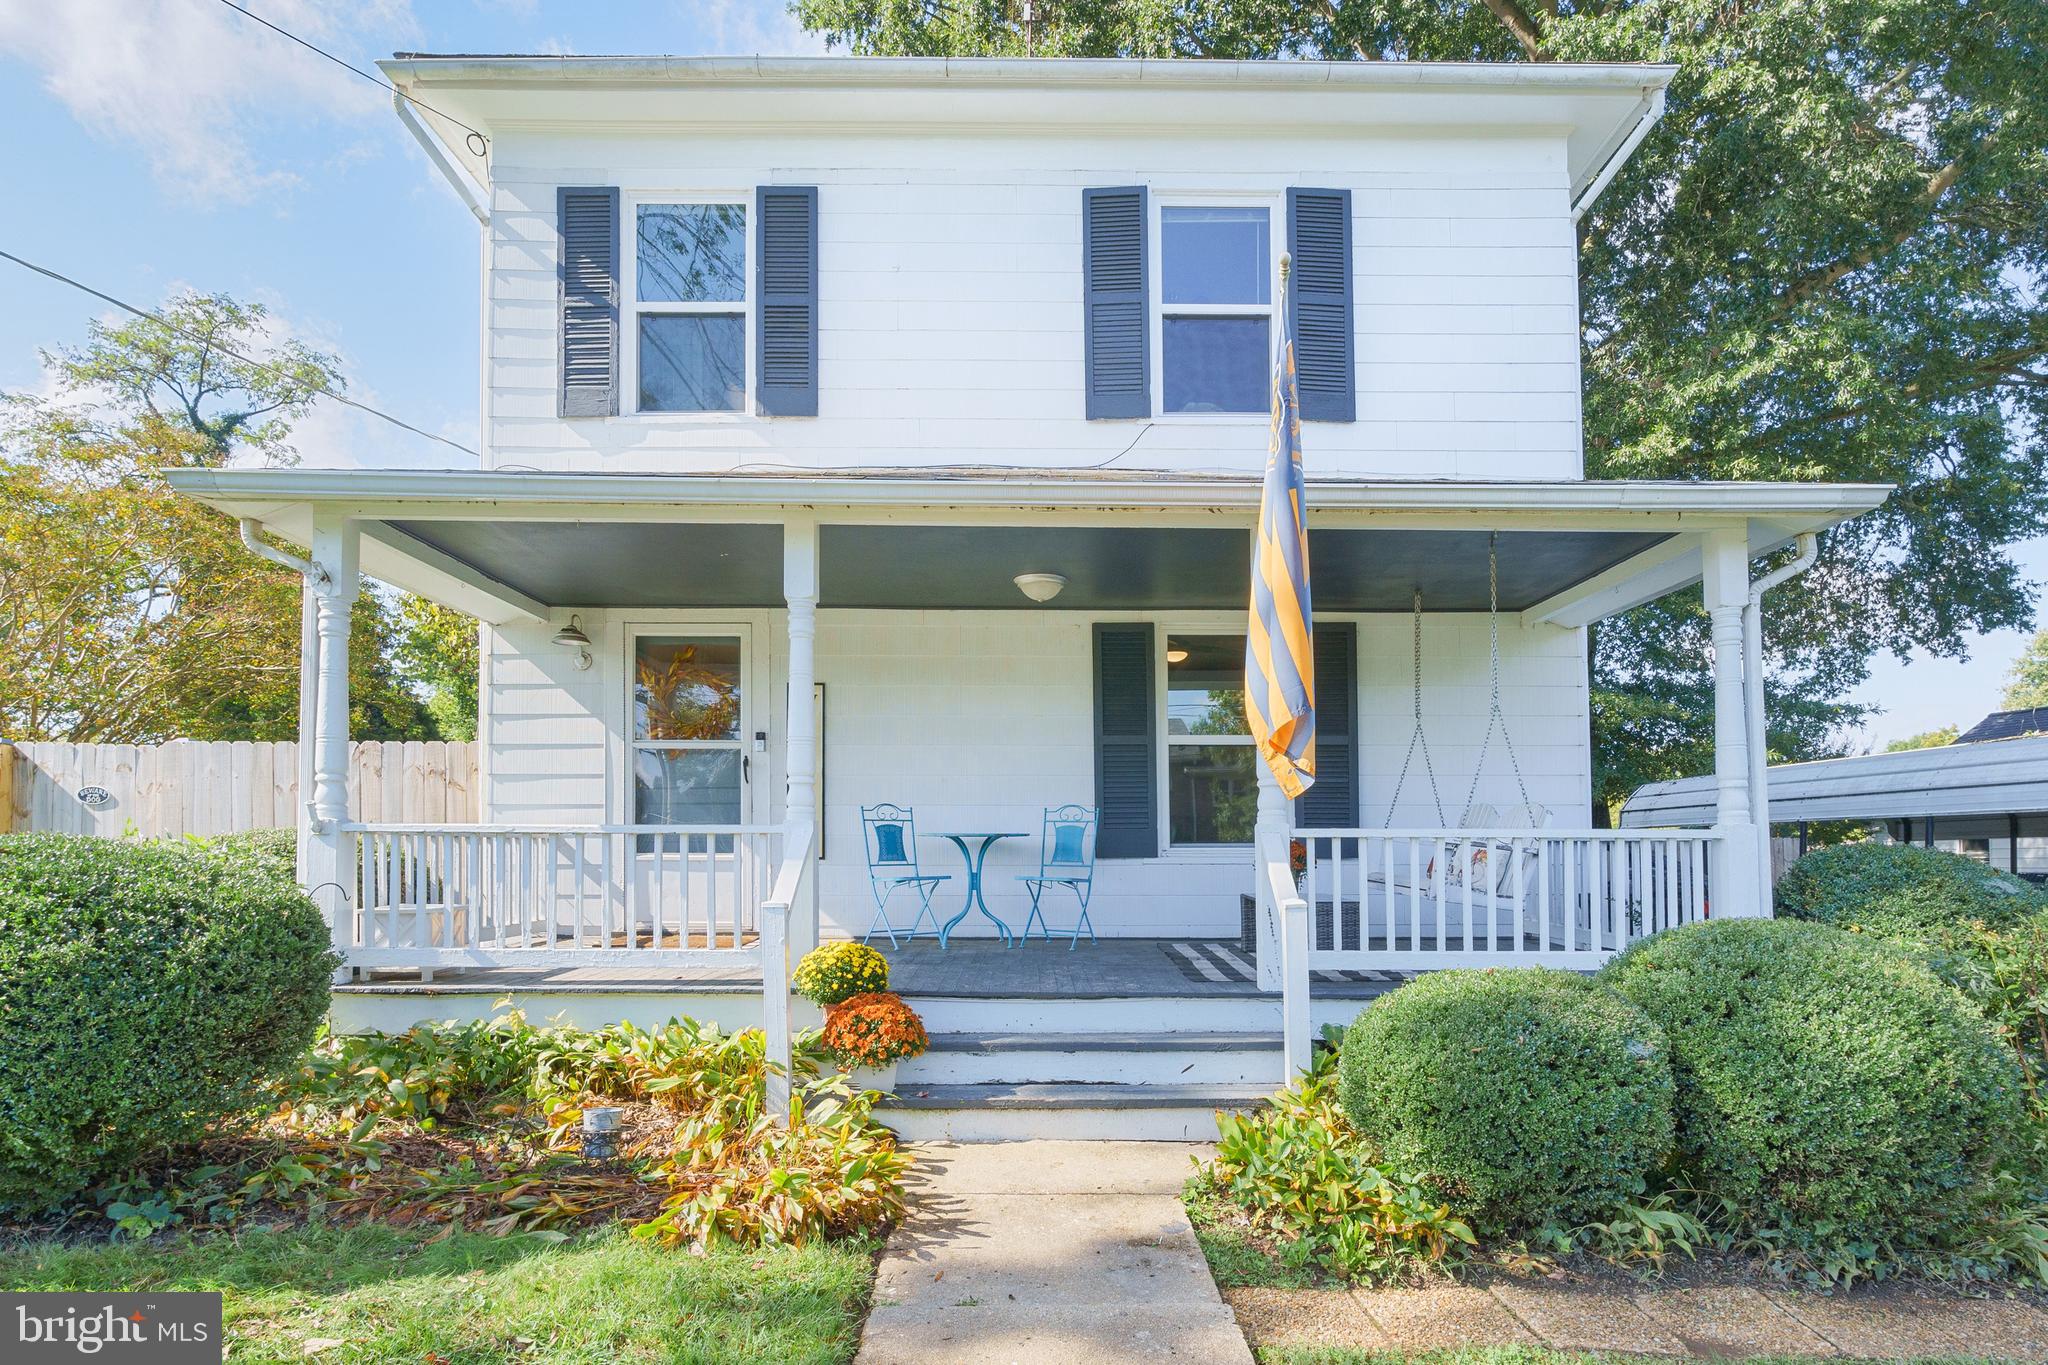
867 642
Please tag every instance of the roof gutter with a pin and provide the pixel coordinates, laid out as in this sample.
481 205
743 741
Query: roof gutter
1015 71
471 193
1647 113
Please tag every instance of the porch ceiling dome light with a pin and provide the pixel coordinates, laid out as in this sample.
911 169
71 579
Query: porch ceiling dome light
571 636
1040 587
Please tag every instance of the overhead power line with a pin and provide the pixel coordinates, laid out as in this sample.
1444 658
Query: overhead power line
478 143
271 366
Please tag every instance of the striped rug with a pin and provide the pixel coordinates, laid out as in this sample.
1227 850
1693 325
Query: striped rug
1221 960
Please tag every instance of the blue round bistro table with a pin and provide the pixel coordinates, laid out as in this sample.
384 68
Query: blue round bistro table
974 858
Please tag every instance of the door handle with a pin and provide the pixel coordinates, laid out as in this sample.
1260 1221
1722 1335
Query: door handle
746 768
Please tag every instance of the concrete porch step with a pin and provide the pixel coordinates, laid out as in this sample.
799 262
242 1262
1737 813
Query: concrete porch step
1000 1112
1145 1058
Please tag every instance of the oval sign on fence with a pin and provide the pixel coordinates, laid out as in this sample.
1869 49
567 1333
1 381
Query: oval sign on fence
95 796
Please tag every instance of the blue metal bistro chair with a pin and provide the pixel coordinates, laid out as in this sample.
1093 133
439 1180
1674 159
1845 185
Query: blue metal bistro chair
1066 858
891 834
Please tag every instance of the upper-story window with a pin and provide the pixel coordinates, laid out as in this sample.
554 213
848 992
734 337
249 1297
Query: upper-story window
690 305
1216 307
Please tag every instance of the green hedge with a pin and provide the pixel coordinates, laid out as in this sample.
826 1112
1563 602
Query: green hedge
146 989
1523 1096
1830 1088
1901 890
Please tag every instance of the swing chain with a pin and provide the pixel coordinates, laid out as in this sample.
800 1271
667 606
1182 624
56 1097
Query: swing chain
1416 737
1495 713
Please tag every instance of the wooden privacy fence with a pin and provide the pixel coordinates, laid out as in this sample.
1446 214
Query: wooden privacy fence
190 786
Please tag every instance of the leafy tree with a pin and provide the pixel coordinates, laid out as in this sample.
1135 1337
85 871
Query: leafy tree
1823 264
128 613
2026 682
439 652
1926 739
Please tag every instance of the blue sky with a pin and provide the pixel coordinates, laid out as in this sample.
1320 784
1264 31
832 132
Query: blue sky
155 144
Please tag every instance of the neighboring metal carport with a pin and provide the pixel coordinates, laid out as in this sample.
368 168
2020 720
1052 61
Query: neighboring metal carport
1987 800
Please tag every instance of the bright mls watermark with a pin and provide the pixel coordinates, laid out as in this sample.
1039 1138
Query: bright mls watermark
161 1329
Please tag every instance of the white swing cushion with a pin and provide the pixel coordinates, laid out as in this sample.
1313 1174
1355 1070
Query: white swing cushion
1475 860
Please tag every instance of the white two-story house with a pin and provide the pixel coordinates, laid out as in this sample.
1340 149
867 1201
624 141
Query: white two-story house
888 433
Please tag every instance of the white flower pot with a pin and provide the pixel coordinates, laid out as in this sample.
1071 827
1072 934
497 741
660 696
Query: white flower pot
881 1078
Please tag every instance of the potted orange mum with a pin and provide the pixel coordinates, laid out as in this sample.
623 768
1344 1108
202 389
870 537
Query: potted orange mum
870 1033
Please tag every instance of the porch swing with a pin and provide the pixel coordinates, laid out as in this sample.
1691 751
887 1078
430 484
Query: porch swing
1474 858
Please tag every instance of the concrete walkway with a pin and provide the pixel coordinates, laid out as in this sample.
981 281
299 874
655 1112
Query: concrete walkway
1674 1317
1074 1252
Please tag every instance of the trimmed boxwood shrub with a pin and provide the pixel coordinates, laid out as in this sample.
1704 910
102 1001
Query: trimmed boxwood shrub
1830 1088
1900 890
1521 1096
146 989
276 851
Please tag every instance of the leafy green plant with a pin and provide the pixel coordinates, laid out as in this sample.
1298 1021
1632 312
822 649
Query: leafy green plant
1895 889
832 972
1522 1097
1301 1172
1835 1098
147 990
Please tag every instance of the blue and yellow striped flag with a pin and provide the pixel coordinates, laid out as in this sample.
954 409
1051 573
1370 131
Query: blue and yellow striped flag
1279 658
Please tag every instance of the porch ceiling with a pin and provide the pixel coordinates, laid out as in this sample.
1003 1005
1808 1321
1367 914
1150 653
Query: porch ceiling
1108 568
1118 568
618 564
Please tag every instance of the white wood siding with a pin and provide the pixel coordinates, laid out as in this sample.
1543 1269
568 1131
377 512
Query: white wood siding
981 719
951 321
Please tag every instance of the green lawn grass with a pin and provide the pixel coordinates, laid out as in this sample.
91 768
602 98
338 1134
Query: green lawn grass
394 1295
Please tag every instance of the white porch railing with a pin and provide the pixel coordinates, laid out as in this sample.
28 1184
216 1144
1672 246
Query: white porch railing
1423 899
431 896
1417 899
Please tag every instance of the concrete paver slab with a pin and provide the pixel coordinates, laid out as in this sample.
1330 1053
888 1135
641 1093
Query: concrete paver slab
1079 1252
1729 1320
1443 1315
1581 1318
1001 1334
1095 1248
2002 1329
1877 1321
1304 1317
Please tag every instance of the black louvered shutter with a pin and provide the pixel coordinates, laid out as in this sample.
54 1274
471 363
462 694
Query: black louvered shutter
1319 239
587 297
786 287
1126 766
1113 282
1332 803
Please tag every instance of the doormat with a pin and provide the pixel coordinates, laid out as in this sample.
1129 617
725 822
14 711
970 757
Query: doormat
1223 960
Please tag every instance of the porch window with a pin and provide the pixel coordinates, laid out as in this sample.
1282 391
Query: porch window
1212 793
687 763
1216 307
690 307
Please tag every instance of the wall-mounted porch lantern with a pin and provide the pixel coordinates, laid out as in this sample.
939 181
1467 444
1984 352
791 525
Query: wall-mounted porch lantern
571 636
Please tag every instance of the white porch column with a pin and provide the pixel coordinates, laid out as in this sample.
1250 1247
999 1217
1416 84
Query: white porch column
1271 823
330 866
800 761
1290 926
1725 586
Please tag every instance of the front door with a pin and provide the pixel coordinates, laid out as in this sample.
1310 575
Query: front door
691 768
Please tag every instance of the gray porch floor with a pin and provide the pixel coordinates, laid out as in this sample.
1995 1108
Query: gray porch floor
975 969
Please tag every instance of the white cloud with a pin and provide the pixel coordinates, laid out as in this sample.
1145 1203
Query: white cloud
193 84
752 28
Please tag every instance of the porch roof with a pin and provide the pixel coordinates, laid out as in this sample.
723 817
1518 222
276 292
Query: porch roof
519 545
